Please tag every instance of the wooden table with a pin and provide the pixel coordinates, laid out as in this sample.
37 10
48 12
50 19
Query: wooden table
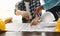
29 34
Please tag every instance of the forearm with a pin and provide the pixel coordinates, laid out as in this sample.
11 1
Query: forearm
37 18
18 12
50 4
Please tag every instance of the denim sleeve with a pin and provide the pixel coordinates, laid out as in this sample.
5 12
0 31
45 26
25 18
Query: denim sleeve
51 3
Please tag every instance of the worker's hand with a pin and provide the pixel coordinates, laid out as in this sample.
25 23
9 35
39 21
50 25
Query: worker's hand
18 12
34 21
8 20
38 9
26 15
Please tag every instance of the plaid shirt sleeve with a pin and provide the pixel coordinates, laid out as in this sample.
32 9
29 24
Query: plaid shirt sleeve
33 5
20 6
16 6
38 4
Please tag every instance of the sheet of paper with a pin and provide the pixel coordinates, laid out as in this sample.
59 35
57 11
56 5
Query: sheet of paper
37 27
26 26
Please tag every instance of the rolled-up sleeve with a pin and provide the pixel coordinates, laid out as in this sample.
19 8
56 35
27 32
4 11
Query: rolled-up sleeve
51 3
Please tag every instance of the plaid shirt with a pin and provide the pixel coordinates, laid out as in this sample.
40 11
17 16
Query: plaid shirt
32 5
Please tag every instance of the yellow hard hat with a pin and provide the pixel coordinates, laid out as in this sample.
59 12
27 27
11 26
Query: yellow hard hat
57 28
2 25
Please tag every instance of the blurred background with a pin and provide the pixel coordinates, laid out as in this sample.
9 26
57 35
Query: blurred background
7 8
